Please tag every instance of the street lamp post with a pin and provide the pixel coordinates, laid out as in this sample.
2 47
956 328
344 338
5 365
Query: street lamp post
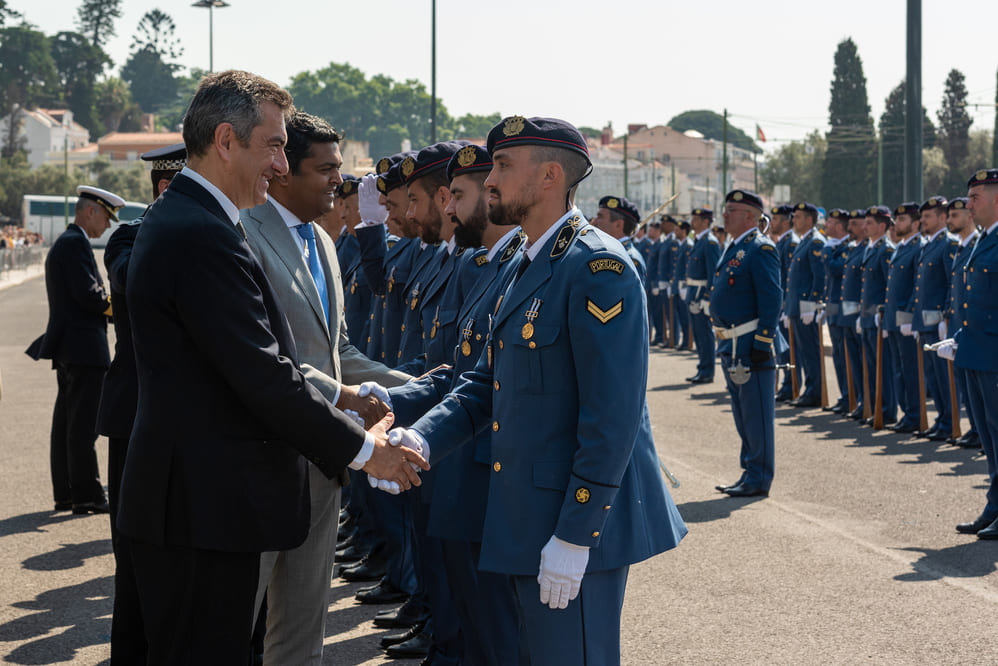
211 4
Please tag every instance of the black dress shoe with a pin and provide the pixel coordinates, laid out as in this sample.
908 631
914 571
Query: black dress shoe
925 434
747 490
362 571
404 616
382 593
417 646
724 489
902 428
977 525
702 380
867 422
938 436
351 553
63 506
91 507
389 640
805 402
693 378
969 441
856 414
783 397
990 532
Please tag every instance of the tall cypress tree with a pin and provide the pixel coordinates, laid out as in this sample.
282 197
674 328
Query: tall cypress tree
954 132
95 20
892 135
849 176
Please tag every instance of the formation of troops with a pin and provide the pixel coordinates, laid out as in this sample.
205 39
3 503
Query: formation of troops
478 353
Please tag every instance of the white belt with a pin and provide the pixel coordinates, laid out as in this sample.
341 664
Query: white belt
850 308
736 331
696 283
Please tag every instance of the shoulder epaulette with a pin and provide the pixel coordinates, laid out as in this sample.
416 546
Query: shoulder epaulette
512 246
481 259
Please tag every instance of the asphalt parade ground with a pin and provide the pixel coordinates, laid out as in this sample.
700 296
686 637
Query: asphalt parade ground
853 558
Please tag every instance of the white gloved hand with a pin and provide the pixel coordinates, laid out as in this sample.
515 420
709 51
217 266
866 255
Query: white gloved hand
682 294
562 566
785 320
947 349
883 334
389 487
367 201
876 320
859 327
411 440
906 329
654 291
807 318
662 285
942 329
821 317
668 290
355 416
375 389
914 334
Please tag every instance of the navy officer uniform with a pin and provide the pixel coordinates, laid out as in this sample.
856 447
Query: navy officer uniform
876 267
834 256
897 322
744 309
657 315
932 278
623 209
677 281
852 294
805 285
976 339
699 271
958 205
572 324
357 294
785 246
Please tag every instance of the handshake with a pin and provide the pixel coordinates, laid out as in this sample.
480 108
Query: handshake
399 454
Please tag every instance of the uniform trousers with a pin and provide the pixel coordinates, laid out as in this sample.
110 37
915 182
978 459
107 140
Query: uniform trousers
586 633
961 393
783 358
854 344
937 383
128 641
703 337
681 319
72 456
837 335
889 404
753 406
982 396
904 359
808 358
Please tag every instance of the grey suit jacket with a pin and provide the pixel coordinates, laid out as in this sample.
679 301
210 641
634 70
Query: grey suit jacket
325 364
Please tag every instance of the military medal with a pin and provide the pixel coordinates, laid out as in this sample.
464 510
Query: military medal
391 279
466 332
488 346
353 283
433 329
414 298
531 314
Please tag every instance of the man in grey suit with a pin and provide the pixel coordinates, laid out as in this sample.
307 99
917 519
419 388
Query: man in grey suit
300 261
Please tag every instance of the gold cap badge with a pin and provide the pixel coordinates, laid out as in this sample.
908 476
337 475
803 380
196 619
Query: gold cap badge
737 196
383 165
513 125
981 175
382 186
408 166
466 156
612 203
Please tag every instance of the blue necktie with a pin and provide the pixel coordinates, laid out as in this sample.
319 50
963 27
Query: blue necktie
314 267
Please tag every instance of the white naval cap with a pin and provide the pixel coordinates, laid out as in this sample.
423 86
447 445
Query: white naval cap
111 202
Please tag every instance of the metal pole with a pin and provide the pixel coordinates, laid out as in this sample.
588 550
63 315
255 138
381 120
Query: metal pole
433 72
65 177
673 186
724 155
211 38
625 165
913 106
880 170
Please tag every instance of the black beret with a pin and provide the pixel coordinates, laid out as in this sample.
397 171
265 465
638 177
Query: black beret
551 132
668 218
857 213
622 206
882 213
392 178
745 197
908 208
984 177
704 211
348 186
429 159
934 202
807 207
786 210
684 224
838 214
959 203
470 159
655 223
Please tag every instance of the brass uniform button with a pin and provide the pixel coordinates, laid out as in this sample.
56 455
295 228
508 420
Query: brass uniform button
500 344
533 345
497 384
595 534
496 466
495 426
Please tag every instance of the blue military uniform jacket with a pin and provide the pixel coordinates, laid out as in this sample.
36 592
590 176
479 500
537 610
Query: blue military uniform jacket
876 266
347 250
932 278
785 246
834 256
852 283
357 299
901 283
426 265
700 265
568 333
956 299
637 260
681 251
977 338
806 277
652 253
668 258
746 286
440 309
386 264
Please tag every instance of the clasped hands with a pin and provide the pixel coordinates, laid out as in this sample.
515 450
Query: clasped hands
395 463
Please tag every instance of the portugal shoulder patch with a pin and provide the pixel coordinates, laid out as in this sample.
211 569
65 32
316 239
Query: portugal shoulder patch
604 315
597 265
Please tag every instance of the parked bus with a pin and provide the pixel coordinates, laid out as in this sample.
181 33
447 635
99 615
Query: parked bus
47 216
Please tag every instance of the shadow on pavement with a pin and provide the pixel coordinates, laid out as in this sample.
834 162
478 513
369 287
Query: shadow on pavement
68 619
974 559
716 509
672 387
69 556
33 522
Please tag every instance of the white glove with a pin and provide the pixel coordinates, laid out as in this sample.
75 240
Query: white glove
915 335
942 329
562 566
682 294
785 320
947 349
411 440
389 487
820 318
654 291
883 334
906 329
367 201
859 327
876 320
662 285
355 416
377 390
807 318
668 290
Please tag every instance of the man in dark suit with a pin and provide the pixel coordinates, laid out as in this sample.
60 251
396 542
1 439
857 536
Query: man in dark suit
76 341
215 472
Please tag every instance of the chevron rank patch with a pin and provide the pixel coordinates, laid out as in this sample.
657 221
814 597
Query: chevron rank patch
603 316
597 265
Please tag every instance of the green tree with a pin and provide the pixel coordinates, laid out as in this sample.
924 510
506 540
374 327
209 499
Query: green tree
978 157
115 107
78 64
7 14
95 19
798 164
711 125
150 74
848 176
27 78
170 116
954 131
934 170
892 122
473 126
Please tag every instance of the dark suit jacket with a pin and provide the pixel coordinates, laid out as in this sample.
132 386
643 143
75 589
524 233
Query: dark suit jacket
119 395
77 328
223 410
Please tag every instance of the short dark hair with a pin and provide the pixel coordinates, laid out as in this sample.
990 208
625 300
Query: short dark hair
629 223
157 175
572 163
304 129
433 181
232 97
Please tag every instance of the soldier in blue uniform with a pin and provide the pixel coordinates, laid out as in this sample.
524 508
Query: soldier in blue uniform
932 278
657 316
959 222
876 266
834 256
897 315
666 260
744 309
805 285
583 501
974 345
786 243
852 294
357 295
677 283
618 217
699 271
